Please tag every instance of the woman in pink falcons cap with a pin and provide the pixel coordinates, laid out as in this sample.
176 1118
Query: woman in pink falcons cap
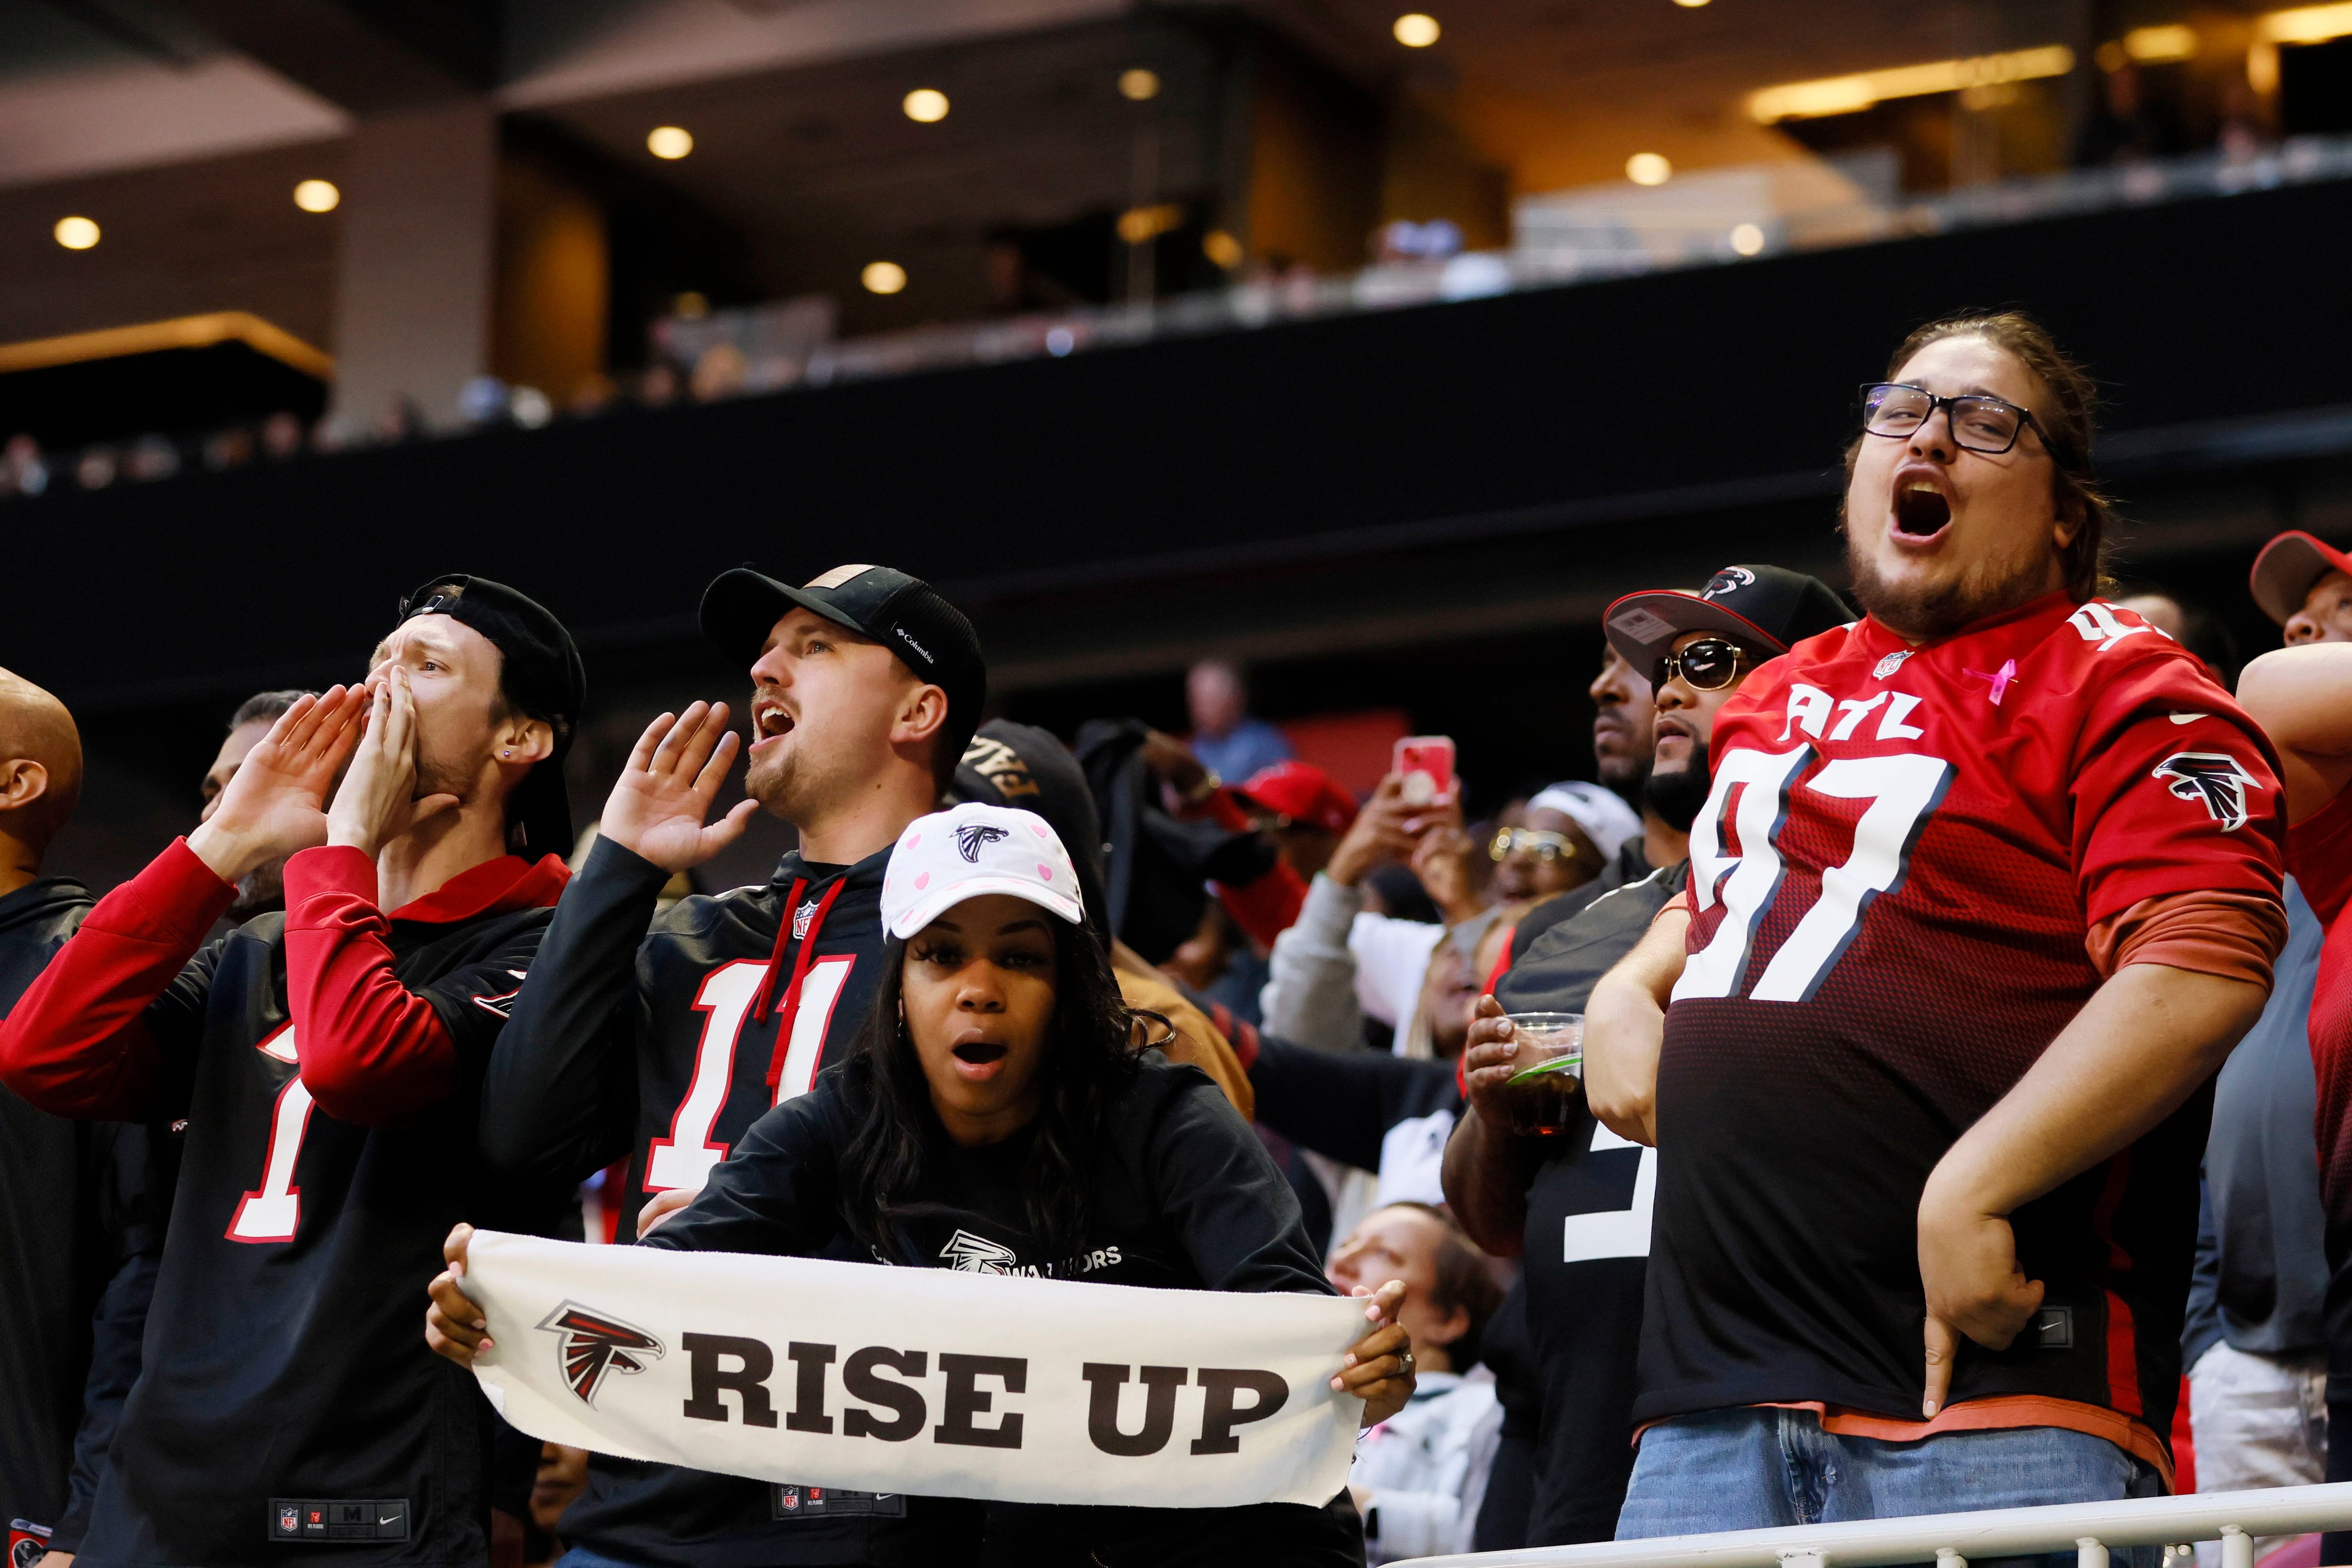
1004 1112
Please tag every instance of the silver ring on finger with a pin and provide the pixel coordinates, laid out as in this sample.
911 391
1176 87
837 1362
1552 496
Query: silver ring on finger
1405 1358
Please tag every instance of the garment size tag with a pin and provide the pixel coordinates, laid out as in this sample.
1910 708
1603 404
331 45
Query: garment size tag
831 1502
329 1520
28 1543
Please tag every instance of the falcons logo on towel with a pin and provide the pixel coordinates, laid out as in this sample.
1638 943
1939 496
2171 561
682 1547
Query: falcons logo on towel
2214 777
973 836
970 1254
591 1344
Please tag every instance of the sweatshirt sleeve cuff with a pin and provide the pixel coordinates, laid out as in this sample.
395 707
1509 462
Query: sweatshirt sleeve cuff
177 898
330 869
612 863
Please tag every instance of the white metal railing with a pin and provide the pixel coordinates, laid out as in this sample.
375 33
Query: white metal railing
1950 1539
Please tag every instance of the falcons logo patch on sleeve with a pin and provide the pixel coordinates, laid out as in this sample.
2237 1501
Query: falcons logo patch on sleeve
2216 778
973 836
589 1344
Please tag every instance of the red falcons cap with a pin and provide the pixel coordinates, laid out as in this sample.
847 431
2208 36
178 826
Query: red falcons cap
2287 568
1303 792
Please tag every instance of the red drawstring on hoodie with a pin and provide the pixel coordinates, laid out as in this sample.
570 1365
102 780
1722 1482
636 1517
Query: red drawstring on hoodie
792 1006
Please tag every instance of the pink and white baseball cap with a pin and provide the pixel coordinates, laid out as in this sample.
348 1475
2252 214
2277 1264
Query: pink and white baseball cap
951 855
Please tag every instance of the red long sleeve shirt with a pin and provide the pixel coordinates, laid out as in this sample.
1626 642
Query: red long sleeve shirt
1268 906
372 1051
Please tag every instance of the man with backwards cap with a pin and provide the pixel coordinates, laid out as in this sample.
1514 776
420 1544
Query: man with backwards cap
325 1061
663 1048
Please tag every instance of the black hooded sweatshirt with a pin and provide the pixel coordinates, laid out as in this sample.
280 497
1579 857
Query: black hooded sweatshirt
75 1276
655 1046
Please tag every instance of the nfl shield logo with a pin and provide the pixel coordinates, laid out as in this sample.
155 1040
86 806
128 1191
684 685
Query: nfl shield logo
791 1499
800 917
289 1520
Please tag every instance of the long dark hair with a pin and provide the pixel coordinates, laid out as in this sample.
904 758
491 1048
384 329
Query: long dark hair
1090 1053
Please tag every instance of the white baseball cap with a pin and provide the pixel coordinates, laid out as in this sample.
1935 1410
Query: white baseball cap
973 849
1606 820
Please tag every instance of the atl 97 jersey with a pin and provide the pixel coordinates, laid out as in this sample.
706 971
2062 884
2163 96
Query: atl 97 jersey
1896 885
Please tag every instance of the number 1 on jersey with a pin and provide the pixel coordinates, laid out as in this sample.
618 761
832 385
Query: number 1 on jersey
684 1158
273 1212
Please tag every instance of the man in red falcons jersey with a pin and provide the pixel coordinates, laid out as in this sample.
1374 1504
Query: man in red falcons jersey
1986 888
325 1061
664 1048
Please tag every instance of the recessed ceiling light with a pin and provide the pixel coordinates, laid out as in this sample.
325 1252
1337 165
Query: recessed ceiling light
1648 169
317 195
1415 30
1690 5
1748 239
1139 84
882 277
670 141
925 105
75 232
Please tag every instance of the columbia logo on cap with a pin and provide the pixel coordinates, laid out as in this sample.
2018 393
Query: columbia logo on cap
908 639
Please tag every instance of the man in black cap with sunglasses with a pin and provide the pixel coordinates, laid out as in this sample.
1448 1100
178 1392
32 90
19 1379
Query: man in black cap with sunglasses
1576 1206
665 1048
325 1061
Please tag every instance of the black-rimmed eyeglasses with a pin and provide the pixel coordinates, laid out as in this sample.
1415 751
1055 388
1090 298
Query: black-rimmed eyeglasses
1709 663
1979 421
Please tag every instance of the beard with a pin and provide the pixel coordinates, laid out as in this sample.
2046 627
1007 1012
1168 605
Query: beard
439 772
1928 612
258 892
1679 794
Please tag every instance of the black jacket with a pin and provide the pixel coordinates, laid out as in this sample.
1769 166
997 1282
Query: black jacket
81 1213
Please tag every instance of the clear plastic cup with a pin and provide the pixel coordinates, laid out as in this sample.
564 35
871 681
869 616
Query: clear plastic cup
1543 1091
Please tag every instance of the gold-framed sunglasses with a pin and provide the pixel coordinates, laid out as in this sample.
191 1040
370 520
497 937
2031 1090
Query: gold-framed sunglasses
1709 663
1541 842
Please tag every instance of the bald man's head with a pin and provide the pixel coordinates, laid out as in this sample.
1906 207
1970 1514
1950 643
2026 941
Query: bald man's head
40 762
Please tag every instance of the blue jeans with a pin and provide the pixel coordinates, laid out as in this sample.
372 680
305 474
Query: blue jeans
1755 1469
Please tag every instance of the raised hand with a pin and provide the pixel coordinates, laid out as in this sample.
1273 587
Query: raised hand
276 802
377 802
657 806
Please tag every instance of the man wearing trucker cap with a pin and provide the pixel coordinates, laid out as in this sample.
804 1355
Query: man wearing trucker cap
663 1048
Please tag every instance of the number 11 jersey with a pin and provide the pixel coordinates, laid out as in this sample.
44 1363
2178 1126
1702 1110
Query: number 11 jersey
1913 871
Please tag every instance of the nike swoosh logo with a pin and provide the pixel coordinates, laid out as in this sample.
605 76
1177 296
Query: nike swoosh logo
394 1519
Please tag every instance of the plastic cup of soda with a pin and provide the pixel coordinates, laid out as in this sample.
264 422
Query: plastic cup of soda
1549 1073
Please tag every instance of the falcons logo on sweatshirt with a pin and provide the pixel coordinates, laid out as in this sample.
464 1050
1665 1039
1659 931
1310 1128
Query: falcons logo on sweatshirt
2216 778
591 1344
970 1254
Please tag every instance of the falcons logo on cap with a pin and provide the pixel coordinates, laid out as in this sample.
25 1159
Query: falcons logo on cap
970 1254
591 1344
973 836
1725 580
2214 777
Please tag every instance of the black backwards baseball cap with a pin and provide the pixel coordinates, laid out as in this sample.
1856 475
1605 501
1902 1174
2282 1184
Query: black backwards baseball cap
1022 766
2288 568
905 614
1765 609
542 675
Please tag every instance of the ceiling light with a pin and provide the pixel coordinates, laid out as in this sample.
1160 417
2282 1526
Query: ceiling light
2160 45
317 195
1846 94
1221 248
1136 85
1690 5
1748 239
882 277
2306 25
1648 169
75 232
668 142
1415 30
925 105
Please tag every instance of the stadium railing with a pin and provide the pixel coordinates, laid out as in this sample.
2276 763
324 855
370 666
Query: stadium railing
1952 1540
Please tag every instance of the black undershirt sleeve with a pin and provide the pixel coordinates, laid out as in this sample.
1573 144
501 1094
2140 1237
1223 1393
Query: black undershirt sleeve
559 1096
1342 1104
